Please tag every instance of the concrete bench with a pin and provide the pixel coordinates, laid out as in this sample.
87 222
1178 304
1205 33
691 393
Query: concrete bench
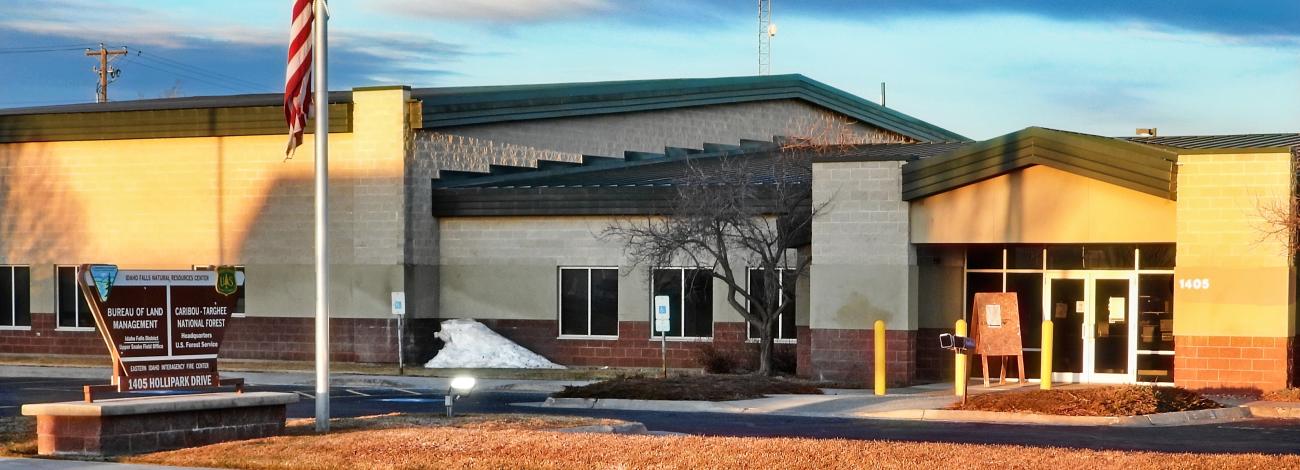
146 424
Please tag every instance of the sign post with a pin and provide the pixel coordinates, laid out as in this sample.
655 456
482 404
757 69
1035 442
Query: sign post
163 328
663 323
399 309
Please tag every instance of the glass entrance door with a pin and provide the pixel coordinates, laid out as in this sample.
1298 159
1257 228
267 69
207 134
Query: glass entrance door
1092 317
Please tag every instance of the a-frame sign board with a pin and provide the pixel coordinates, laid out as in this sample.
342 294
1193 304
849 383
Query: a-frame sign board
995 319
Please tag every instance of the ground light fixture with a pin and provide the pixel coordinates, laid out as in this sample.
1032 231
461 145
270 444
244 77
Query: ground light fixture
459 386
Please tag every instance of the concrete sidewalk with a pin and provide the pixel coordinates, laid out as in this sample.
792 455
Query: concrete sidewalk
922 403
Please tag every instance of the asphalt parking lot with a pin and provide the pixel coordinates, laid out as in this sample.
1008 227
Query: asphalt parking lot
1267 436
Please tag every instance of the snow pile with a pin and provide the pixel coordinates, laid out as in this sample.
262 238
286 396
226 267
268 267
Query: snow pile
470 344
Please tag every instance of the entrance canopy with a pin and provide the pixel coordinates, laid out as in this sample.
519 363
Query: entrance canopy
1043 186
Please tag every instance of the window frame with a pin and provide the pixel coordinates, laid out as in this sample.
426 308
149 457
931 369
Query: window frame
76 271
559 304
1137 270
242 292
682 279
749 338
13 299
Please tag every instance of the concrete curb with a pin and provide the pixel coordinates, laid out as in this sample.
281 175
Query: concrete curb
629 428
625 428
1274 409
1179 418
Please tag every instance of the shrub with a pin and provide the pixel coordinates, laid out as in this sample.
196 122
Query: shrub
1125 400
714 360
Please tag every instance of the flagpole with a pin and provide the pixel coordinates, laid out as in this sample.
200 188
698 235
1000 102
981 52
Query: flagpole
321 105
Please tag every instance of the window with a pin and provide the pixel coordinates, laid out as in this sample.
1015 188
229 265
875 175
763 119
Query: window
784 328
15 300
690 292
589 302
239 292
70 303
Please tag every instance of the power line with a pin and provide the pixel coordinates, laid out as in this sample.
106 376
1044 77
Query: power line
183 74
33 50
161 60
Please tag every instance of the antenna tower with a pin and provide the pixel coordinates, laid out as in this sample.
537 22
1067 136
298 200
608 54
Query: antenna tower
766 29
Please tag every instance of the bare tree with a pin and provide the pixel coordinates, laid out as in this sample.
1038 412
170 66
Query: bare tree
1281 217
730 213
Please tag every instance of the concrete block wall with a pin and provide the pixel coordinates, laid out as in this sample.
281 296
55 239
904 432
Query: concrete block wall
504 270
863 270
522 143
1234 321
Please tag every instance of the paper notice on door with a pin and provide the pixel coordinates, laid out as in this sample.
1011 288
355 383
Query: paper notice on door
1117 309
1061 311
1079 306
993 315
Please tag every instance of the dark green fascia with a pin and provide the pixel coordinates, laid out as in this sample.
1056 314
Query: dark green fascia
553 201
1139 167
160 123
448 107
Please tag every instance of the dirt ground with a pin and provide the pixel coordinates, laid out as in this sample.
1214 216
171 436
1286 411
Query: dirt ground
1289 394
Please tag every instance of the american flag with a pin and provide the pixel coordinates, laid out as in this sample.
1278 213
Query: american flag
297 74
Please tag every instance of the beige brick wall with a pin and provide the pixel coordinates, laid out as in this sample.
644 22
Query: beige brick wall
863 265
1222 239
174 203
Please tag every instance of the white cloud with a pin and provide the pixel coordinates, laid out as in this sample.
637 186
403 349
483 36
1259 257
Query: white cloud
502 11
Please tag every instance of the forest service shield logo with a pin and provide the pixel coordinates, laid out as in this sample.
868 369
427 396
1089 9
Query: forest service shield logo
226 283
103 276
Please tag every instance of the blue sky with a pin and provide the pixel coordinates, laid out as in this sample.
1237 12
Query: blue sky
978 68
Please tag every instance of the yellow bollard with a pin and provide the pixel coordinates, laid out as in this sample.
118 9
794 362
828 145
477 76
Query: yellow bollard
961 375
880 357
1045 371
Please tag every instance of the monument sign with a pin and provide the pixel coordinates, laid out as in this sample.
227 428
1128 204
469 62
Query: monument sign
163 328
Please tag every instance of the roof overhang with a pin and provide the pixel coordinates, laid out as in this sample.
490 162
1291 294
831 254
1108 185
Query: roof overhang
1139 167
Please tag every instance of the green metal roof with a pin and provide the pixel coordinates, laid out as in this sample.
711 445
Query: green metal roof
1139 167
1232 141
446 107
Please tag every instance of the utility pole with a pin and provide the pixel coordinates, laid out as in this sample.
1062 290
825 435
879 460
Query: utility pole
106 73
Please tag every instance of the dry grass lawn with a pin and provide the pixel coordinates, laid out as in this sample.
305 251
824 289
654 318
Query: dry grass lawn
521 443
1286 394
700 387
1119 400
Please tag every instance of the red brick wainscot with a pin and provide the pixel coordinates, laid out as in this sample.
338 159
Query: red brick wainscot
847 355
934 364
1233 363
269 338
137 425
633 347
44 338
